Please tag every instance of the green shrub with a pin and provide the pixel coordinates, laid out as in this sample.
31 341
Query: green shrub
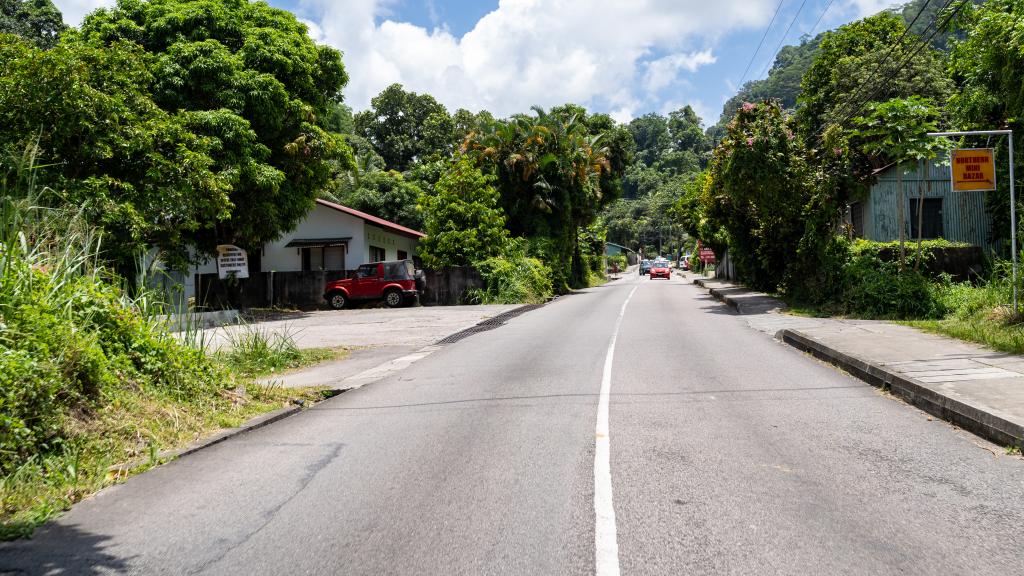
253 350
70 338
513 279
619 261
875 288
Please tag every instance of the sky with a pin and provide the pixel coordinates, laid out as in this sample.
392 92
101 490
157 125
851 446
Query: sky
623 57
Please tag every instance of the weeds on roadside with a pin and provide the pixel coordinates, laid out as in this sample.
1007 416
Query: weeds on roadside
254 350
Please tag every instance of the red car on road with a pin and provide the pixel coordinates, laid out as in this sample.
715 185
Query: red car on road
397 283
660 269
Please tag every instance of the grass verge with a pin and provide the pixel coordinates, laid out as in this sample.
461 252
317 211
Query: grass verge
122 438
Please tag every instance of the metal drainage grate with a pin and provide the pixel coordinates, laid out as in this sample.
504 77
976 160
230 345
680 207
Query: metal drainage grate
488 324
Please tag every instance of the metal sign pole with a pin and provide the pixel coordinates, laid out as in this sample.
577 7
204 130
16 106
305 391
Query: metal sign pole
1013 195
1013 226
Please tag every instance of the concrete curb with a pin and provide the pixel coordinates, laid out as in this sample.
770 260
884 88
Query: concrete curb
985 424
738 304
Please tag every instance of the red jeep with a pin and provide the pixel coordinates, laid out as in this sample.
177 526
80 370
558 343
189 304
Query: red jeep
397 283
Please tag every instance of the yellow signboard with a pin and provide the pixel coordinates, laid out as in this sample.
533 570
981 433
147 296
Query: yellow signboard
974 169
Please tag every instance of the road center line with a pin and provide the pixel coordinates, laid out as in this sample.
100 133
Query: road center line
606 546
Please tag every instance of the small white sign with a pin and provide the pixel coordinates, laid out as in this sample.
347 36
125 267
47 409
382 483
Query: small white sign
232 261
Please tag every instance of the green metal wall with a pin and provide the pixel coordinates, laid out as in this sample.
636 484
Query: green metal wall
964 218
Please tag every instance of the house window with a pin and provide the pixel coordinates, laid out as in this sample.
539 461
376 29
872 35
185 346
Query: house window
403 255
377 254
931 223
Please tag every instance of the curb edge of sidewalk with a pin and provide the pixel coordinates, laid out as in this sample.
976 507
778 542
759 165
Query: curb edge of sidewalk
985 424
729 301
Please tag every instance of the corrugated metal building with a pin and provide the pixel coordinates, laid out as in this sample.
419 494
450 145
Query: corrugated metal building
955 216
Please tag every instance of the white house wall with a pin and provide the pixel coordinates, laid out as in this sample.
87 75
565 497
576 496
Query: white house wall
391 243
322 222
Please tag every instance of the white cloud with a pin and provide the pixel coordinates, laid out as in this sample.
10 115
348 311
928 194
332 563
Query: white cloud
664 71
75 10
862 8
544 52
605 54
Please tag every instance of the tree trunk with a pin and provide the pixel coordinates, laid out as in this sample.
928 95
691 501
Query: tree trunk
920 210
901 213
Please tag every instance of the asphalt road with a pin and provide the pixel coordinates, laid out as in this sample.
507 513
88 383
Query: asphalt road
730 453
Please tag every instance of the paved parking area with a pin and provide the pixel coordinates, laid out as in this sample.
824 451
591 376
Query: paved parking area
373 327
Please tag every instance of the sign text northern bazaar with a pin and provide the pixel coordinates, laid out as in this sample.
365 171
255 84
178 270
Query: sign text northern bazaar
973 169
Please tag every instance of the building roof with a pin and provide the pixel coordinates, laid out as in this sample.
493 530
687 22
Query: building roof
387 225
317 242
618 246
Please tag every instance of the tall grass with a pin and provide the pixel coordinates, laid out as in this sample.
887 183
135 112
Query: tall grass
86 371
980 312
91 376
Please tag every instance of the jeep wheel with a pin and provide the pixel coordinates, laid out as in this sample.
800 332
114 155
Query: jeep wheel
393 299
337 300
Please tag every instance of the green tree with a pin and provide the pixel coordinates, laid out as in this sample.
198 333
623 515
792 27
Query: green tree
687 130
462 219
406 127
385 194
897 130
988 67
757 188
249 77
554 176
137 171
465 122
651 134
851 69
37 21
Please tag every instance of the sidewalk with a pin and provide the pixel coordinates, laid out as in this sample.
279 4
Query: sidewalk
971 386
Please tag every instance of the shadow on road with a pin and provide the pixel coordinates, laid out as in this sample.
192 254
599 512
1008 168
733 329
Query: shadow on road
59 549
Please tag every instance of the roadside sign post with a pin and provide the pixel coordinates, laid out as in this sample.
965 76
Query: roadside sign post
232 262
1013 195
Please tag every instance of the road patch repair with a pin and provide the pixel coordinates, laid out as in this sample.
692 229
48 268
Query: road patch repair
966 384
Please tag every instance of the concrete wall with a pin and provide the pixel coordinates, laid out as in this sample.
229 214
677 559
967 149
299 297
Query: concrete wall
448 287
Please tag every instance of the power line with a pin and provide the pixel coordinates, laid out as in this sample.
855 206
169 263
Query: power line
889 53
784 34
908 56
759 44
820 16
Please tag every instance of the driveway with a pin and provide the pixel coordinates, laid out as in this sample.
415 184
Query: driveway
373 327
382 340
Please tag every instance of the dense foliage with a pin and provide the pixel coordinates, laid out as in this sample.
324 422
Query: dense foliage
555 172
758 186
248 78
141 173
406 127
464 224
988 67
854 65
37 21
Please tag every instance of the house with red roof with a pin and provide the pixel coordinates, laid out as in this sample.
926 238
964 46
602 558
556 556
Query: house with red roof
331 239
335 237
